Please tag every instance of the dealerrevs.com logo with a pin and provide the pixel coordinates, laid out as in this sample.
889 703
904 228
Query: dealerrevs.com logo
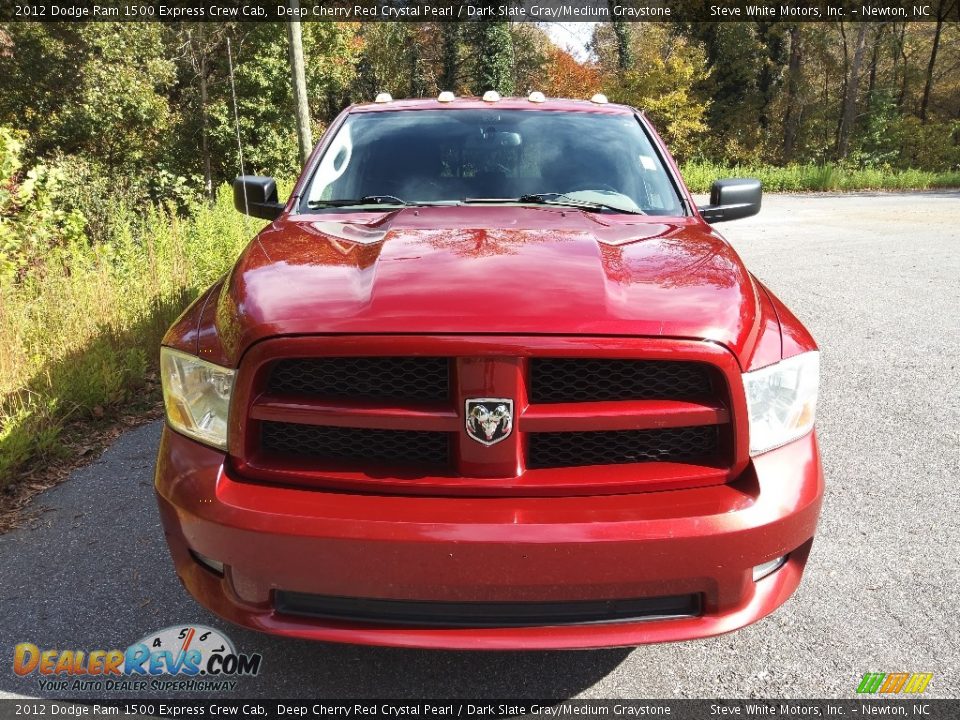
191 658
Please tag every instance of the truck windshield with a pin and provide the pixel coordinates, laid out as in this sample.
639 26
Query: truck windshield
589 160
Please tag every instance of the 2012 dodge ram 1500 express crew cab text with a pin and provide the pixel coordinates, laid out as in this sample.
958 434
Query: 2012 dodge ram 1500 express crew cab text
489 379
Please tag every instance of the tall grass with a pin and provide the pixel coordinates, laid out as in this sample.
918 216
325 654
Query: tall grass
79 336
804 178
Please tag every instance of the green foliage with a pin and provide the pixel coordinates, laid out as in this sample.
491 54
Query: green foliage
882 133
532 52
931 144
698 176
265 97
492 45
98 89
668 69
126 97
391 61
450 56
621 32
79 330
736 58
776 91
34 223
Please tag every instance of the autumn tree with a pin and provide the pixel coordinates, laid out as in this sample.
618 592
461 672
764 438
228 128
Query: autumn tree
566 77
663 82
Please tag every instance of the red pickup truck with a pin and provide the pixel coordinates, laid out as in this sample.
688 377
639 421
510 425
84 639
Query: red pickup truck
490 379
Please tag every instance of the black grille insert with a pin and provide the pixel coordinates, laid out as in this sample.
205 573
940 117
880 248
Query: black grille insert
484 614
617 447
563 380
357 447
363 378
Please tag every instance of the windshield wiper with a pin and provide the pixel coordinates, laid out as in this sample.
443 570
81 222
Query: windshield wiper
365 200
556 198
559 199
381 200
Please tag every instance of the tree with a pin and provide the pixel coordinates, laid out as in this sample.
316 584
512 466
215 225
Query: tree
391 61
621 32
492 47
298 83
531 53
101 89
450 58
663 83
265 98
740 84
851 91
791 119
416 62
943 10
565 77
201 44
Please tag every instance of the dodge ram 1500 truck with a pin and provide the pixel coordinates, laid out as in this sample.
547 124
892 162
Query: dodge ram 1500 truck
490 379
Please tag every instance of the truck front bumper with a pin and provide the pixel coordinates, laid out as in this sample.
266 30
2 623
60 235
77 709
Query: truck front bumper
584 571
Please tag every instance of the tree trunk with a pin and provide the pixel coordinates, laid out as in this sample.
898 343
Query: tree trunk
621 32
852 91
299 78
418 80
902 54
928 85
451 50
204 144
874 60
791 119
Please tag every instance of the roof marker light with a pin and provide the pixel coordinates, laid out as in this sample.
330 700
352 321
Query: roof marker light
383 98
537 97
491 96
446 96
599 99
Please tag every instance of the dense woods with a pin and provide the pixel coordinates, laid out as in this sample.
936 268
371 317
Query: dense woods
116 139
148 105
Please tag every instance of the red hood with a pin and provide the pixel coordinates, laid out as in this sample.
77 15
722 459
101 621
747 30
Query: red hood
484 269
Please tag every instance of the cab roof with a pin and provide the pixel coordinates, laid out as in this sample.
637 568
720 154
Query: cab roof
507 103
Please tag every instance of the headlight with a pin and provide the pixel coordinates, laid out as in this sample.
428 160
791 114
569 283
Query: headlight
197 396
782 401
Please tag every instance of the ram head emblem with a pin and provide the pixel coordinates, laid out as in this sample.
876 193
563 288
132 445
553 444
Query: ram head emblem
489 420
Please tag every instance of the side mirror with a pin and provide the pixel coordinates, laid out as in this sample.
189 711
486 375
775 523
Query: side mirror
256 195
732 199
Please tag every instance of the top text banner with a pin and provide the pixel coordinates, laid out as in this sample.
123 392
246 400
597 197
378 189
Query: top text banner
874 11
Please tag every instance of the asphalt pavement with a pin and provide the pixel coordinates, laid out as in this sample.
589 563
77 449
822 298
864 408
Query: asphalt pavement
875 277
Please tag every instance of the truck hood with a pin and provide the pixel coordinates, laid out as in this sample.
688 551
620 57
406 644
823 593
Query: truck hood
489 269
